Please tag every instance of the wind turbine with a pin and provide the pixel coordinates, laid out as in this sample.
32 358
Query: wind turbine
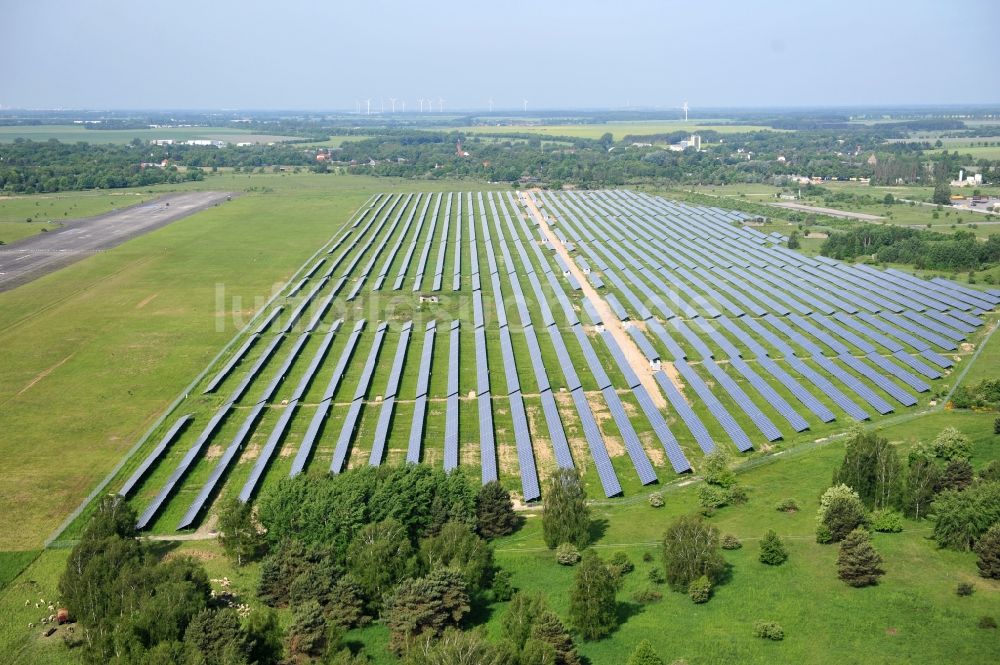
685 107
369 103
421 100
404 105
392 100
525 105
440 105
491 105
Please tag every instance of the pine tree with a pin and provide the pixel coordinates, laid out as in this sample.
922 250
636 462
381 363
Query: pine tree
858 563
988 549
644 655
565 515
494 511
772 550
549 630
307 636
592 608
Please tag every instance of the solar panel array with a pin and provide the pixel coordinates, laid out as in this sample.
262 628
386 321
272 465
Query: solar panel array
740 323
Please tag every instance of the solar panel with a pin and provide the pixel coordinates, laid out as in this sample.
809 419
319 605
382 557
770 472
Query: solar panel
937 327
770 395
715 407
595 442
592 312
691 420
865 370
389 397
616 306
880 339
692 338
827 388
351 422
937 359
916 365
644 346
593 363
595 280
901 335
906 377
630 377
525 455
565 362
154 455
233 361
818 408
761 421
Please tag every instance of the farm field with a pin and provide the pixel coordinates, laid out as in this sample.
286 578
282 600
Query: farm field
794 362
618 129
74 133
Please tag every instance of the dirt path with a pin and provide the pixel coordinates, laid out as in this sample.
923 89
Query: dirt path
832 212
611 323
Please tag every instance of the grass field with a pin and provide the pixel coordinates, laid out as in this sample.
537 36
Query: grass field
912 616
49 211
74 133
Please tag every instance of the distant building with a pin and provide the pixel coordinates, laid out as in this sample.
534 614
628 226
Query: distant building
206 142
872 160
162 142
693 142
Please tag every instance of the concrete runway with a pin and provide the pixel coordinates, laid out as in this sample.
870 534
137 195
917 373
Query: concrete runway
31 258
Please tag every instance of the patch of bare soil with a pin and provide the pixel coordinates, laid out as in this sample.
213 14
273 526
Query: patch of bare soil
653 448
214 452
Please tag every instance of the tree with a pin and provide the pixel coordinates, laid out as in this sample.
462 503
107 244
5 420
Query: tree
872 468
565 515
549 630
592 609
942 194
951 444
988 549
644 654
888 199
346 608
308 634
424 606
957 475
793 240
772 550
858 563
921 479
456 546
378 557
690 550
963 517
240 537
495 514
718 469
843 515
456 647
521 614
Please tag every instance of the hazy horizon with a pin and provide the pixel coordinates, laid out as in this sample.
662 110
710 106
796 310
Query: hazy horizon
641 55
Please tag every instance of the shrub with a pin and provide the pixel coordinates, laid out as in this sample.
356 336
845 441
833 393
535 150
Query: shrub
731 542
736 495
656 576
964 589
951 444
768 630
987 622
843 515
656 500
700 590
717 471
786 506
711 497
887 521
503 585
823 535
644 654
988 549
772 550
647 556
647 596
620 564
567 554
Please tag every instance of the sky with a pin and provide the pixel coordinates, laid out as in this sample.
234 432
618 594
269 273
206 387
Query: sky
328 55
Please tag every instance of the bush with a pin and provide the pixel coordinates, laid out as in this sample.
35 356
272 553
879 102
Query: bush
567 554
644 655
656 500
887 521
711 497
717 471
647 556
768 630
731 542
843 515
951 444
620 564
772 550
964 589
503 585
823 535
786 506
656 576
647 596
987 622
700 590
